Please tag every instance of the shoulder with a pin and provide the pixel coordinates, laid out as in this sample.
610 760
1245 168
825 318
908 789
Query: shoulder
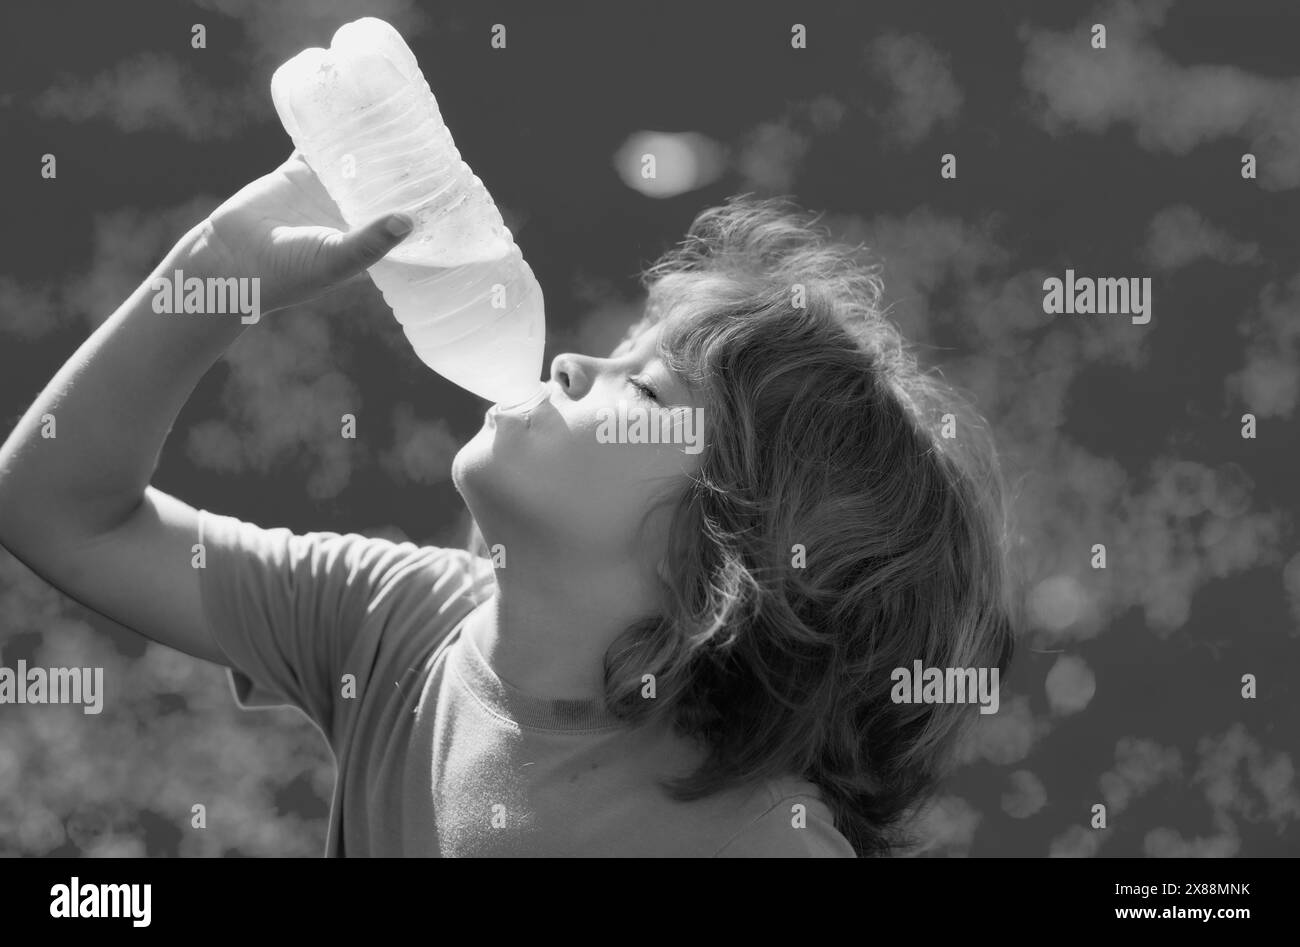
447 572
343 569
791 820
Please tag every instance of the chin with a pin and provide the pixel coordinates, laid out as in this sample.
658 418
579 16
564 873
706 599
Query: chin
470 467
495 491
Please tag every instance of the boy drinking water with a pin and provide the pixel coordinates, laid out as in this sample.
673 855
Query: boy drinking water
681 653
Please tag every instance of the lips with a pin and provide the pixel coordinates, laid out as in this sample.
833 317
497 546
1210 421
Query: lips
496 418
521 410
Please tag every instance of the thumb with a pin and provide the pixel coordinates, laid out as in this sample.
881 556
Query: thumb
346 253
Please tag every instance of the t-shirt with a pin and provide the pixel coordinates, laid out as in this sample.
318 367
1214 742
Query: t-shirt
436 754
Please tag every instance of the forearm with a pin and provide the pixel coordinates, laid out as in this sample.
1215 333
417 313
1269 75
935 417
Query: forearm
113 404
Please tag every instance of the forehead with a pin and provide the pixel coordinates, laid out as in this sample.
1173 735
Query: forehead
641 338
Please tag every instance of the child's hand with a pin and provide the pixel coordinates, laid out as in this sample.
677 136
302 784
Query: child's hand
284 228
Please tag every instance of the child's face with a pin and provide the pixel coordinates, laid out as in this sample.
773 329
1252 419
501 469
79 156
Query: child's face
557 481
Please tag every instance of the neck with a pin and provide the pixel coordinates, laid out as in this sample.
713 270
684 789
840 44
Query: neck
546 629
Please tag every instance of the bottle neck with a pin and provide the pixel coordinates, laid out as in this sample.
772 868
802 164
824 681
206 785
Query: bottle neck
531 401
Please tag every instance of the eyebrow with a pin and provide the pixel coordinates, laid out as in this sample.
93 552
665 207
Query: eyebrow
660 352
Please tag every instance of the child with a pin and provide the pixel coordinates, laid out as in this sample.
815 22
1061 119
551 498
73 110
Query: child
670 652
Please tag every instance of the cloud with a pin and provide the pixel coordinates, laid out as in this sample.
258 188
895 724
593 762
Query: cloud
276 31
1025 796
1242 778
285 397
1163 542
1268 385
1174 530
1291 585
1167 533
924 253
1140 766
422 450
152 92
1169 843
925 95
1179 235
29 312
73 785
1005 737
769 157
285 391
1070 685
1171 108
944 827
600 329
1077 841
126 246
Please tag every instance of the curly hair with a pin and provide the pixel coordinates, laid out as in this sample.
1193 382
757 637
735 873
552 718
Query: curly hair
829 536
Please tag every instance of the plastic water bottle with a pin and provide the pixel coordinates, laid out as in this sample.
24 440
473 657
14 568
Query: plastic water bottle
365 119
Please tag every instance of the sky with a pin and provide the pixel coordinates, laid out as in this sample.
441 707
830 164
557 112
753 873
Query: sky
1123 161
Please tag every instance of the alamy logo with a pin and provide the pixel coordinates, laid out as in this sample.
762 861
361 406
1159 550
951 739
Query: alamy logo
1125 295
214 294
78 900
53 686
923 685
638 424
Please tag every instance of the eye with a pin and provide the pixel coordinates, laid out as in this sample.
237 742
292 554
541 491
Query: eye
642 387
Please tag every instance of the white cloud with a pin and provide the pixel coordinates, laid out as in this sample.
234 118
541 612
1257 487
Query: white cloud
924 93
1140 766
1163 541
1171 108
67 781
1070 685
600 329
126 246
422 450
1077 841
153 92
285 397
1291 584
276 31
1026 795
1182 525
769 157
1180 235
1242 778
924 253
29 312
1268 385
1165 842
1005 737
945 826
165 91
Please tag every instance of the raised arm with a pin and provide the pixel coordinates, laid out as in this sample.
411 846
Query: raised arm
77 507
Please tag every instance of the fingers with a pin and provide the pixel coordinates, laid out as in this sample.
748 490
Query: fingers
345 254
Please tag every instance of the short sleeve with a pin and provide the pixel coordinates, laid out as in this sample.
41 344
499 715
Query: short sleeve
784 831
294 612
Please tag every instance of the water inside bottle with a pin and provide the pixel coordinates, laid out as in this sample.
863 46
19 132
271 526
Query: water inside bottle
449 317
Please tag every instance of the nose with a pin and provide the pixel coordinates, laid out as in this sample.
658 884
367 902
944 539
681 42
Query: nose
572 373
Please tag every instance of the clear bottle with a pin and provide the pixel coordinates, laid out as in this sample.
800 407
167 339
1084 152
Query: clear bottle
367 122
